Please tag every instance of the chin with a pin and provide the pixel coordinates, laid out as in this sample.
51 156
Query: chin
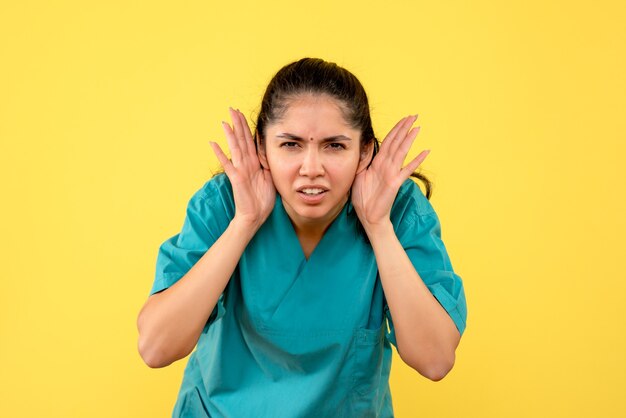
313 214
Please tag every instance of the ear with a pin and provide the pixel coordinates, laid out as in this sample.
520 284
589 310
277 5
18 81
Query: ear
366 157
261 153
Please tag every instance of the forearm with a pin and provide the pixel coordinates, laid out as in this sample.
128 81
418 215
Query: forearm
425 334
171 321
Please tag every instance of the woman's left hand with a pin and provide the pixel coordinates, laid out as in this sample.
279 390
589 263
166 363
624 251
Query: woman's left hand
375 188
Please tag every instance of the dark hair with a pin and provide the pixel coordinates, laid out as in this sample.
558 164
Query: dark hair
316 76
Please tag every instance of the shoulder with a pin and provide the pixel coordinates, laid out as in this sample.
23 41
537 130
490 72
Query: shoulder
215 194
410 197
216 190
410 205
216 187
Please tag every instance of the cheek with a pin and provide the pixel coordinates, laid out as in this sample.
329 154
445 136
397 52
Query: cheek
283 173
343 167
285 168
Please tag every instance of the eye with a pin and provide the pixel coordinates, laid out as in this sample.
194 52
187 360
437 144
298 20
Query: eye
288 144
339 146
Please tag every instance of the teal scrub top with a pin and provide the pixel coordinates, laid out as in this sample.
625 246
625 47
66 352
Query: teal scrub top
291 337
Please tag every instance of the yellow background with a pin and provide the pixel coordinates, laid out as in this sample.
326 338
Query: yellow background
106 112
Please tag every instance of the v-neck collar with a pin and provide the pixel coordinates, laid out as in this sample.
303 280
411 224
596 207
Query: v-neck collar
293 240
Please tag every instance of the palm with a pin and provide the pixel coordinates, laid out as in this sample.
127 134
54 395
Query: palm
254 194
253 188
375 189
370 193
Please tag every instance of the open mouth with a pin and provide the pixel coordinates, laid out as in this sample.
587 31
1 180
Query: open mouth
312 195
312 192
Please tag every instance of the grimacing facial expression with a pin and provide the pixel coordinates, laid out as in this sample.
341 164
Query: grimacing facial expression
313 156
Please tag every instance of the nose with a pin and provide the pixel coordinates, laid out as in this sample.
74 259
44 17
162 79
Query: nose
312 165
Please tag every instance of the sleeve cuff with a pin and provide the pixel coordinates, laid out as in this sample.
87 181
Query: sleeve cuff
164 281
217 313
457 311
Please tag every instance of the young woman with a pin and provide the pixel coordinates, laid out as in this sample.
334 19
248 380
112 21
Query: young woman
290 264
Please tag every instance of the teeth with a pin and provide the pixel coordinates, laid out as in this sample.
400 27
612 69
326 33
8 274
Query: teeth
312 191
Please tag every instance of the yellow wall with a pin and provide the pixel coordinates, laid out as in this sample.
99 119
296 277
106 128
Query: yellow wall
106 112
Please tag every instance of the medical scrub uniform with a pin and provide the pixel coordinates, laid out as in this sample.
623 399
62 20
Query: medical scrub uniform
297 338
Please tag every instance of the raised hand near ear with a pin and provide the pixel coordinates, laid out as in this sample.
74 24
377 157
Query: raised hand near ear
253 188
374 190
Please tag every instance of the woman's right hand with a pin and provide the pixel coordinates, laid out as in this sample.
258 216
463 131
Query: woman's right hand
253 188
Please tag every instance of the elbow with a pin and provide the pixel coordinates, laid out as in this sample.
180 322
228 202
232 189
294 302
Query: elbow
144 347
438 373
151 351
434 370
157 352
147 343
151 356
433 361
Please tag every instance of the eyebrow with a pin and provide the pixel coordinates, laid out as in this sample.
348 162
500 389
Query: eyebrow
330 138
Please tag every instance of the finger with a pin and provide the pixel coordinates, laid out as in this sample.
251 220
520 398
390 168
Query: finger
404 146
222 158
238 130
235 152
238 124
401 135
399 129
412 166
249 151
389 138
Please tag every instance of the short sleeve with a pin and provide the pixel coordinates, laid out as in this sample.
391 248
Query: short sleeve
419 232
206 218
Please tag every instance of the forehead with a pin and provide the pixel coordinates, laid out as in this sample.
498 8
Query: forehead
313 116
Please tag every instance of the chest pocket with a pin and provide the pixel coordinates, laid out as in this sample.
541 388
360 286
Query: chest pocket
371 367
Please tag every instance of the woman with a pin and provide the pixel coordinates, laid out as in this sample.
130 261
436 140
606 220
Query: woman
289 263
